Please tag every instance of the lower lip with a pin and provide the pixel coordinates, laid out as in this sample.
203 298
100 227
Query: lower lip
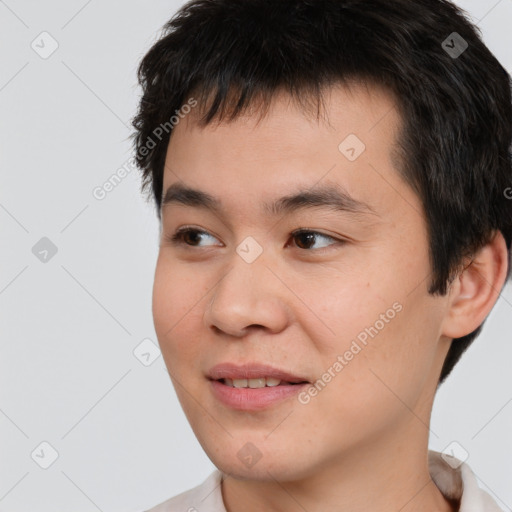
253 399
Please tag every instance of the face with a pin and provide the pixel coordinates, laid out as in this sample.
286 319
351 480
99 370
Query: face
332 291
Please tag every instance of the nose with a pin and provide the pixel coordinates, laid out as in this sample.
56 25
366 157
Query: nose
249 296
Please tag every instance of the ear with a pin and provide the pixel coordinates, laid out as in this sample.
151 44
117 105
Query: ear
476 289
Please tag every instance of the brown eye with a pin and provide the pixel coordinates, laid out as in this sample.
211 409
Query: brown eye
306 239
188 237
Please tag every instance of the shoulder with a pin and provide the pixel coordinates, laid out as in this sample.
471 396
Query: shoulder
456 480
205 496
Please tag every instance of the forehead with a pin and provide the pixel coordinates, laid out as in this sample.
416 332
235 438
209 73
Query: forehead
331 102
288 147
286 126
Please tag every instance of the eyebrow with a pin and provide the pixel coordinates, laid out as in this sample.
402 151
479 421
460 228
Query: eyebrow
322 196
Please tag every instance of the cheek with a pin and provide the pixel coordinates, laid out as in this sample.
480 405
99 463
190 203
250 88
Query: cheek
343 304
375 385
177 301
386 374
385 335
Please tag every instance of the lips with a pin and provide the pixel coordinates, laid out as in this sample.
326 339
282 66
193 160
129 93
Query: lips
250 371
253 387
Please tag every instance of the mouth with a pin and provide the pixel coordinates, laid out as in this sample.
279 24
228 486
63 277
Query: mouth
253 375
258 383
253 387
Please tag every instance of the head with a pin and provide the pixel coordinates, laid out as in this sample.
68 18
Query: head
250 101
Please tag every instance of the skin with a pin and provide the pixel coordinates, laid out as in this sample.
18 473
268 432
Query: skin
361 443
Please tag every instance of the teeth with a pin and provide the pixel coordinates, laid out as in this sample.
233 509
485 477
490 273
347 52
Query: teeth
252 383
239 383
256 383
271 382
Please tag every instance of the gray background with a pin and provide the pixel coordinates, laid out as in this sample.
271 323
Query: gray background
69 326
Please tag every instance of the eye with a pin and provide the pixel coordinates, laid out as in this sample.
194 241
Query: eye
307 238
187 236
191 237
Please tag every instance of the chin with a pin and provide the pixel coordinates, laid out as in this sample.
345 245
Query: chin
262 472
250 463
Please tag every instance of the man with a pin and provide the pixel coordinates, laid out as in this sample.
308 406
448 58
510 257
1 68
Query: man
331 179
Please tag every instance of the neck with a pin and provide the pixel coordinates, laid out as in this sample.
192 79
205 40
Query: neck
391 476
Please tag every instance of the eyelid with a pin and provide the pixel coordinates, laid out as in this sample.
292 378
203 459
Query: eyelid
311 230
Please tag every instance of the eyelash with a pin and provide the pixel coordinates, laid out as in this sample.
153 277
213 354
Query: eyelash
177 238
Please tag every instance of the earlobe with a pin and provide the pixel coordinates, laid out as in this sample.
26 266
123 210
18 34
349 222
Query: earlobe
476 289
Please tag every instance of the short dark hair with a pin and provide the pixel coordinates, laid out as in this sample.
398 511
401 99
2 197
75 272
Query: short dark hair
454 97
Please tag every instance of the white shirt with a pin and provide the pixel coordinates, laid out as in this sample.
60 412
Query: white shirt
454 483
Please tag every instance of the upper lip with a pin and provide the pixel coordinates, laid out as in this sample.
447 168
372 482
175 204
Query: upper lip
251 371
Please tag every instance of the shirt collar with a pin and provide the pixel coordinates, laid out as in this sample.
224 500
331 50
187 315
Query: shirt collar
456 481
453 478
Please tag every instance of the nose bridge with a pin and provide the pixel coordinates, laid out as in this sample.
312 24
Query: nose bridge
248 294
